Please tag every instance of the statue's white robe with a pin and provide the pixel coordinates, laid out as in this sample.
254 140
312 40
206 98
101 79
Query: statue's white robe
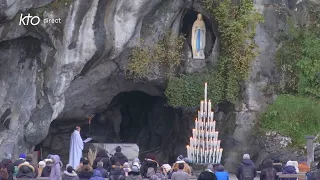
76 147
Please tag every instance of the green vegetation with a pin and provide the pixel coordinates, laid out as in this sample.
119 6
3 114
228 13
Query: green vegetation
166 55
299 61
237 24
293 116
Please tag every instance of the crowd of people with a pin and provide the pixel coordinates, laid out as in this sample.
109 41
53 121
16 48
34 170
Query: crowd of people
118 167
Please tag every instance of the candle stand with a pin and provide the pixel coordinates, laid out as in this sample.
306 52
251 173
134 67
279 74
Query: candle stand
204 146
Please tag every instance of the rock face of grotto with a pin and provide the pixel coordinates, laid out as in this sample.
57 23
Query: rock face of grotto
53 75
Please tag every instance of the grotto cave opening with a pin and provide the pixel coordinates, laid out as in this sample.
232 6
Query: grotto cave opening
131 117
190 16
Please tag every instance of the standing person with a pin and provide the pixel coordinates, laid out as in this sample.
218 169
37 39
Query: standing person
180 159
55 168
289 169
100 168
22 159
29 160
180 174
76 147
41 166
117 173
159 175
220 173
246 169
47 169
277 165
315 175
303 165
69 174
268 172
149 166
126 168
85 171
136 162
102 156
96 175
26 171
207 174
134 174
7 163
118 157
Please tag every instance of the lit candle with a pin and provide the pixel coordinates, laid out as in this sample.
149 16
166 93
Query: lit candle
220 155
196 123
209 108
210 156
218 144
201 106
214 126
205 109
191 142
214 155
188 151
205 92
205 156
199 116
211 116
197 155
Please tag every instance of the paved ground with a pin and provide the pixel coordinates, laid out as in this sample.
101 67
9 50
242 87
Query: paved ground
231 177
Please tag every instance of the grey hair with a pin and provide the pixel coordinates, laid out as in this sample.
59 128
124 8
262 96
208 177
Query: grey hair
246 156
100 164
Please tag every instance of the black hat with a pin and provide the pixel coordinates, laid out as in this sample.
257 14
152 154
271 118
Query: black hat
118 149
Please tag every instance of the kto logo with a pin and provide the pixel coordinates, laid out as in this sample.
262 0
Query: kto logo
33 20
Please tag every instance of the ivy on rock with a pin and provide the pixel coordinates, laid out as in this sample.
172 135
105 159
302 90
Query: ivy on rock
236 24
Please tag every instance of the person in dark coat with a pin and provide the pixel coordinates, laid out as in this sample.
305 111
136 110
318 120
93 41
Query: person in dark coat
85 171
22 159
246 170
96 175
268 172
149 162
7 163
118 157
289 169
35 166
315 175
70 174
117 173
220 173
277 165
100 168
47 169
102 156
134 174
26 170
207 174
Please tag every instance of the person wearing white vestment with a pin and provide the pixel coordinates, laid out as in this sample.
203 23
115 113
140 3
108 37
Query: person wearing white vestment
76 147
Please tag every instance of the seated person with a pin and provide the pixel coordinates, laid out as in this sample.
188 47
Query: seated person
100 168
102 156
180 160
26 171
118 157
117 172
47 169
85 171
96 176
69 174
149 166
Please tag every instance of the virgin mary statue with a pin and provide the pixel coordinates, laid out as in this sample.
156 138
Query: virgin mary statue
198 39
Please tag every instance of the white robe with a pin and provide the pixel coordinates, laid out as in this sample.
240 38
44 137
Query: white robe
76 147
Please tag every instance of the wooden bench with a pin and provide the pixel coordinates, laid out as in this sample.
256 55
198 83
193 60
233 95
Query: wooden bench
300 176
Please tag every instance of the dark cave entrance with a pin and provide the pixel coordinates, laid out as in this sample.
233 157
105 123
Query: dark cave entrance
131 117
189 18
